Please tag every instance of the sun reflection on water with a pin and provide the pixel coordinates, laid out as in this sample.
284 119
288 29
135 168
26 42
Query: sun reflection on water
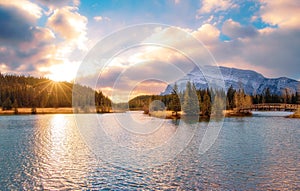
62 152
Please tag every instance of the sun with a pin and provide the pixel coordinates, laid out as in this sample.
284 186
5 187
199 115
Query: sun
60 76
63 72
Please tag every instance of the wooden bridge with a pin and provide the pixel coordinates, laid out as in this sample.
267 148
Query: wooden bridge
271 107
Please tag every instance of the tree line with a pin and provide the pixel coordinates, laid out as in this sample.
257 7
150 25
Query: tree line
31 92
192 101
284 97
207 102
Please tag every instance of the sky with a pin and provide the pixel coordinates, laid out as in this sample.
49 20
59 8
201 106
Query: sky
51 38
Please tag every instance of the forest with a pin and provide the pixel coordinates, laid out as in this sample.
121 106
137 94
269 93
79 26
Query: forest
209 102
31 92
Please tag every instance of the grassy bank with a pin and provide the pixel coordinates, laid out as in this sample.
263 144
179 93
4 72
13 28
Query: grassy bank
64 110
234 113
171 115
295 115
165 114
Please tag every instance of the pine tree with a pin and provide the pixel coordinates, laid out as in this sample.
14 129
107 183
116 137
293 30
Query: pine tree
218 105
206 104
248 101
230 98
190 104
15 106
268 97
239 99
175 101
7 105
298 97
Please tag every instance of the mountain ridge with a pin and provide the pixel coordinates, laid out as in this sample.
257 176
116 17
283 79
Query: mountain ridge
251 81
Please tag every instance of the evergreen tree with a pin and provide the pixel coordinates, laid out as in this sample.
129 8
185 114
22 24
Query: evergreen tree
241 100
297 97
7 105
248 101
218 105
15 106
286 96
294 98
190 104
230 98
206 104
267 96
175 101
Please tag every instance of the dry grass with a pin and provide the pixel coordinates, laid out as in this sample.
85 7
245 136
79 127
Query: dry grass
234 113
296 114
64 110
164 114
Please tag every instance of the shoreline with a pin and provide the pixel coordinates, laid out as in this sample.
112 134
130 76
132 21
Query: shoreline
159 114
41 111
295 115
234 113
170 114
226 114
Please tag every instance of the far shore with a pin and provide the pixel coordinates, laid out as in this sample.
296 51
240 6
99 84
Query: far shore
226 113
159 114
60 110
172 115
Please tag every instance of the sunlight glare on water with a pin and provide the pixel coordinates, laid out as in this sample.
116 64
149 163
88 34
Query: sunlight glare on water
47 152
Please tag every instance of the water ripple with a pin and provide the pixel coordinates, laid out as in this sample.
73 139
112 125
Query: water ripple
46 152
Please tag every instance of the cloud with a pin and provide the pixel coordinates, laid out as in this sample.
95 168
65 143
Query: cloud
70 25
40 37
24 6
23 45
282 13
209 6
52 4
44 37
124 81
207 33
28 56
236 30
176 2
277 51
17 24
273 52
100 18
26 48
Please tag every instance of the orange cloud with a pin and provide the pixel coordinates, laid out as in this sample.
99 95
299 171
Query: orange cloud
70 25
285 14
207 33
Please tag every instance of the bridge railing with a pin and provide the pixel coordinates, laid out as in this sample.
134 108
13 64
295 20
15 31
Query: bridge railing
272 106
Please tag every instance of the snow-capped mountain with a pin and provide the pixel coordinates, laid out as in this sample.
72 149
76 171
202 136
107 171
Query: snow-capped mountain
251 81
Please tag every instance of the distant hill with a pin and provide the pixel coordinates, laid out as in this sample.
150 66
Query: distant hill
252 82
32 92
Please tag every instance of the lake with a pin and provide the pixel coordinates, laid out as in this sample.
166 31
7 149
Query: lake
133 151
